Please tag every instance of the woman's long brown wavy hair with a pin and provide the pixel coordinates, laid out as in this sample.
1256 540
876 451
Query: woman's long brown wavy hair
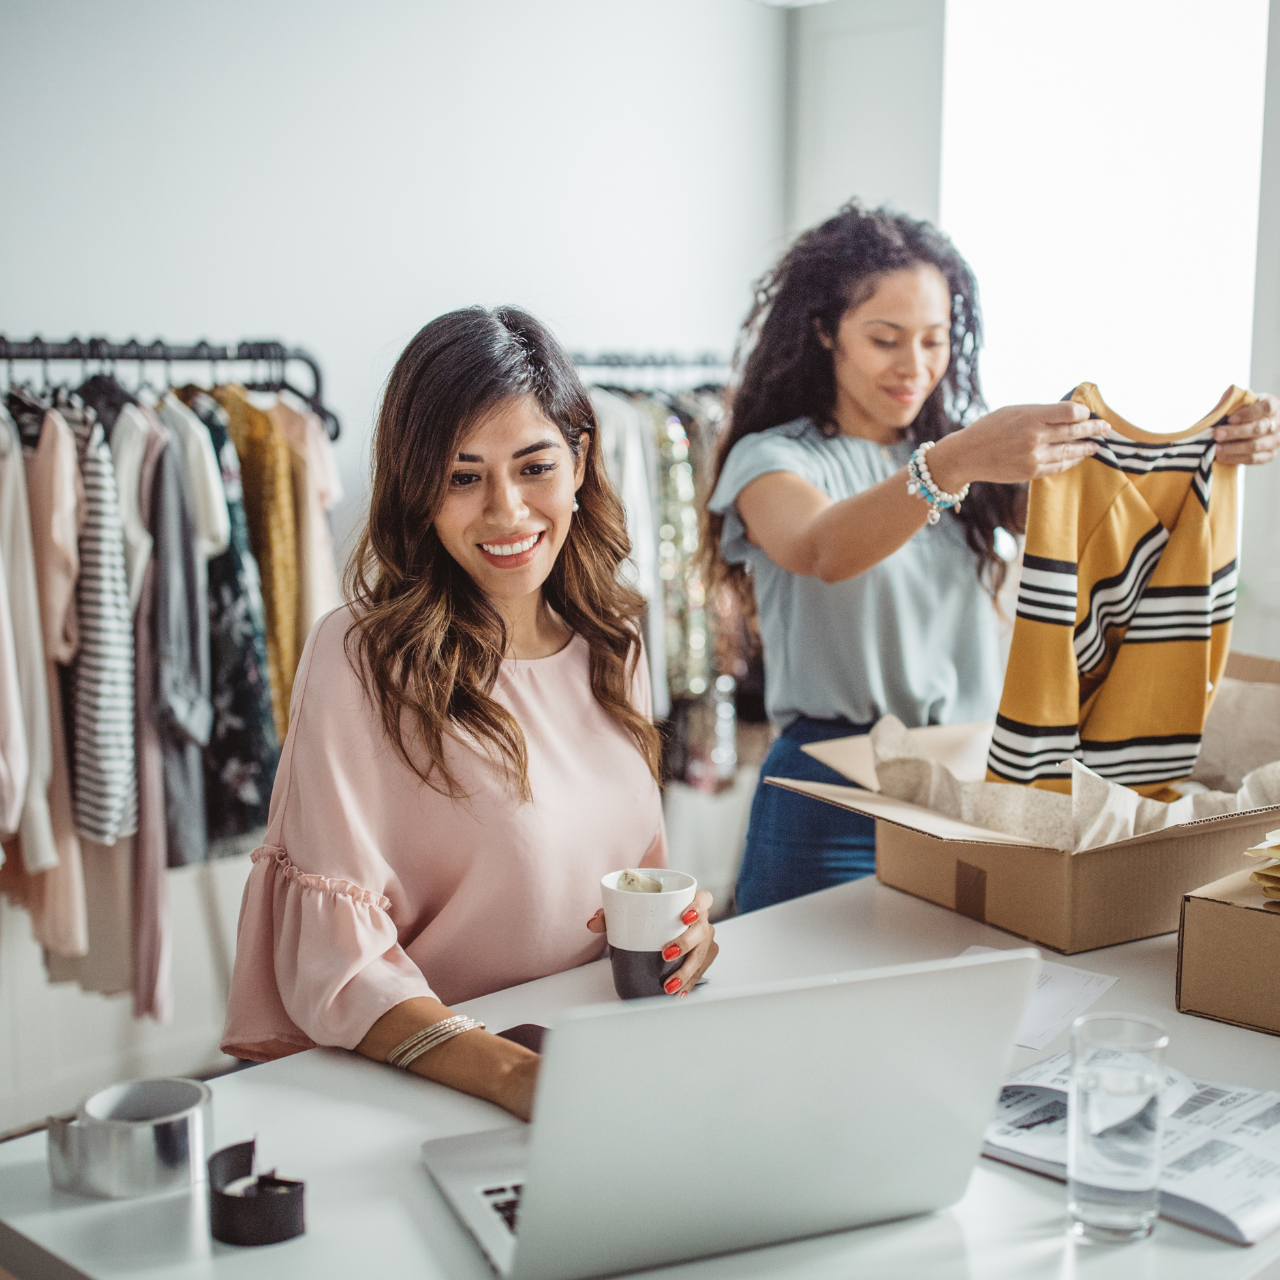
786 373
426 641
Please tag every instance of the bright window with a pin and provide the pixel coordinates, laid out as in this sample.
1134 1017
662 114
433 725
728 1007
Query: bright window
1100 169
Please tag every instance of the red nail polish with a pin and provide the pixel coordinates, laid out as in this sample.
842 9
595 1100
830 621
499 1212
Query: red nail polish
670 953
672 985
689 916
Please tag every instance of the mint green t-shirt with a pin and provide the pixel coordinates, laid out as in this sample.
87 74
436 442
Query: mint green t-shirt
915 636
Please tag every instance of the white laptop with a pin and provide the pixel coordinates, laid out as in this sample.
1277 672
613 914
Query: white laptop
667 1130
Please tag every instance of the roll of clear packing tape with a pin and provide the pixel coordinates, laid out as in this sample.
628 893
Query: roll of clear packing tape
134 1139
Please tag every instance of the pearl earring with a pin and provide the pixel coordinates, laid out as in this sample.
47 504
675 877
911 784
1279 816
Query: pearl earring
575 504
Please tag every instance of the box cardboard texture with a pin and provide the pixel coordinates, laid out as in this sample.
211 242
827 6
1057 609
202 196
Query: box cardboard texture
1229 954
1069 902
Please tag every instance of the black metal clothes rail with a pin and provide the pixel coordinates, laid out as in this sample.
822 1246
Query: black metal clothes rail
274 355
647 360
653 371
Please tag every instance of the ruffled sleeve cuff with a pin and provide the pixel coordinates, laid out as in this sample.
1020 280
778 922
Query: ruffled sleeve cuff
318 962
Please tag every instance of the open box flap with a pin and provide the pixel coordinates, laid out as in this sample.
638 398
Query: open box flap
1220 821
850 756
962 748
914 817
901 813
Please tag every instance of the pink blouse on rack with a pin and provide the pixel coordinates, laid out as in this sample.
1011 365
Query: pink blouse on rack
373 888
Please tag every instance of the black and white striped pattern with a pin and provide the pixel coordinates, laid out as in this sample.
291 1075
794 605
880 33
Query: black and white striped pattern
1184 613
1136 761
1138 458
1202 481
1047 591
105 800
1113 601
1025 752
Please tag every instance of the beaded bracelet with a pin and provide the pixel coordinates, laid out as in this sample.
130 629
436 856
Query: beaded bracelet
919 481
409 1051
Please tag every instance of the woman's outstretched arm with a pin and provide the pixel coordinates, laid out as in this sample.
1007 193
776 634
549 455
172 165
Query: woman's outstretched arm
475 1062
801 529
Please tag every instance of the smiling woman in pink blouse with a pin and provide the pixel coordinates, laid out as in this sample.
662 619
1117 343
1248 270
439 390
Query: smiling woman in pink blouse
470 746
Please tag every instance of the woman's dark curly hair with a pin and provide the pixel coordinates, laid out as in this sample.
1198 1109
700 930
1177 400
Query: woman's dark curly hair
785 372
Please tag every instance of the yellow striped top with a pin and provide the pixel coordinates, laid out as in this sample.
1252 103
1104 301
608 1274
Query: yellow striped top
1124 613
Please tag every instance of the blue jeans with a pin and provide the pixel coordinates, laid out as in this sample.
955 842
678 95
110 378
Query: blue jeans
796 844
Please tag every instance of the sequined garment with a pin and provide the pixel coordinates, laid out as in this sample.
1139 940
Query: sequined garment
689 654
684 431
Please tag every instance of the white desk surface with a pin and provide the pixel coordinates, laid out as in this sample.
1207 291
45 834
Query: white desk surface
352 1129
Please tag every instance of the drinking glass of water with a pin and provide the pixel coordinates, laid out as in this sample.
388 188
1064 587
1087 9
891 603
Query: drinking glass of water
1114 1126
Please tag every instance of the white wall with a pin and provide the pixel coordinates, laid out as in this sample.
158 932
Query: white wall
865 107
1258 618
335 175
59 1044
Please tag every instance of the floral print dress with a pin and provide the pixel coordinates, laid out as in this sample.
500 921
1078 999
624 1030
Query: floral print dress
243 750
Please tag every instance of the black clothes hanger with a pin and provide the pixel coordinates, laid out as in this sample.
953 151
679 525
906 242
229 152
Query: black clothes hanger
27 411
26 406
283 384
276 356
106 397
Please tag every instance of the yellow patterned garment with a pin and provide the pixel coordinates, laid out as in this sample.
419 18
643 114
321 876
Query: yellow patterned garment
1124 610
266 473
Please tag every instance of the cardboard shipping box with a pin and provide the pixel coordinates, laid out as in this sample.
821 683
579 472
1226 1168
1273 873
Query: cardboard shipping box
1067 901
1229 954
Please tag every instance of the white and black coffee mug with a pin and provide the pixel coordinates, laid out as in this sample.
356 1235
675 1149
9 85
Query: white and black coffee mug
639 926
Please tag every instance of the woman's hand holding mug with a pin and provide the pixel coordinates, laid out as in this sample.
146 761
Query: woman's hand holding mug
696 944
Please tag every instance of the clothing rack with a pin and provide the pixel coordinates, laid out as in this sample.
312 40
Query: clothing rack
652 371
275 355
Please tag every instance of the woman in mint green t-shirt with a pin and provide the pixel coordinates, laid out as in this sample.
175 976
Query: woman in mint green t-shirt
865 523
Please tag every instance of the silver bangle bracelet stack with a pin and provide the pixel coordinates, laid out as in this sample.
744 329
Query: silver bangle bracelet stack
409 1051
919 481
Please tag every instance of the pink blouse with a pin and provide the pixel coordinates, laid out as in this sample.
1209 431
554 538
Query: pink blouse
373 888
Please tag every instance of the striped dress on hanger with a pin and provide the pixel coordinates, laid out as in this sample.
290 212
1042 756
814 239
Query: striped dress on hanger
104 770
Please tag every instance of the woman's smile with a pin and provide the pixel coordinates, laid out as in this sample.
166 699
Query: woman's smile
906 395
513 551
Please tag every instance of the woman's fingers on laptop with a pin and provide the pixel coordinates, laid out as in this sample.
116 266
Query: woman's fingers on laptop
697 942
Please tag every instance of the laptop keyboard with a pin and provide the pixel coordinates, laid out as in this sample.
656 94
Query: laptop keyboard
505 1202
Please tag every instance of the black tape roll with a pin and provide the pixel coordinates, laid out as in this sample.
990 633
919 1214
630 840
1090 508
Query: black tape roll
267 1212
